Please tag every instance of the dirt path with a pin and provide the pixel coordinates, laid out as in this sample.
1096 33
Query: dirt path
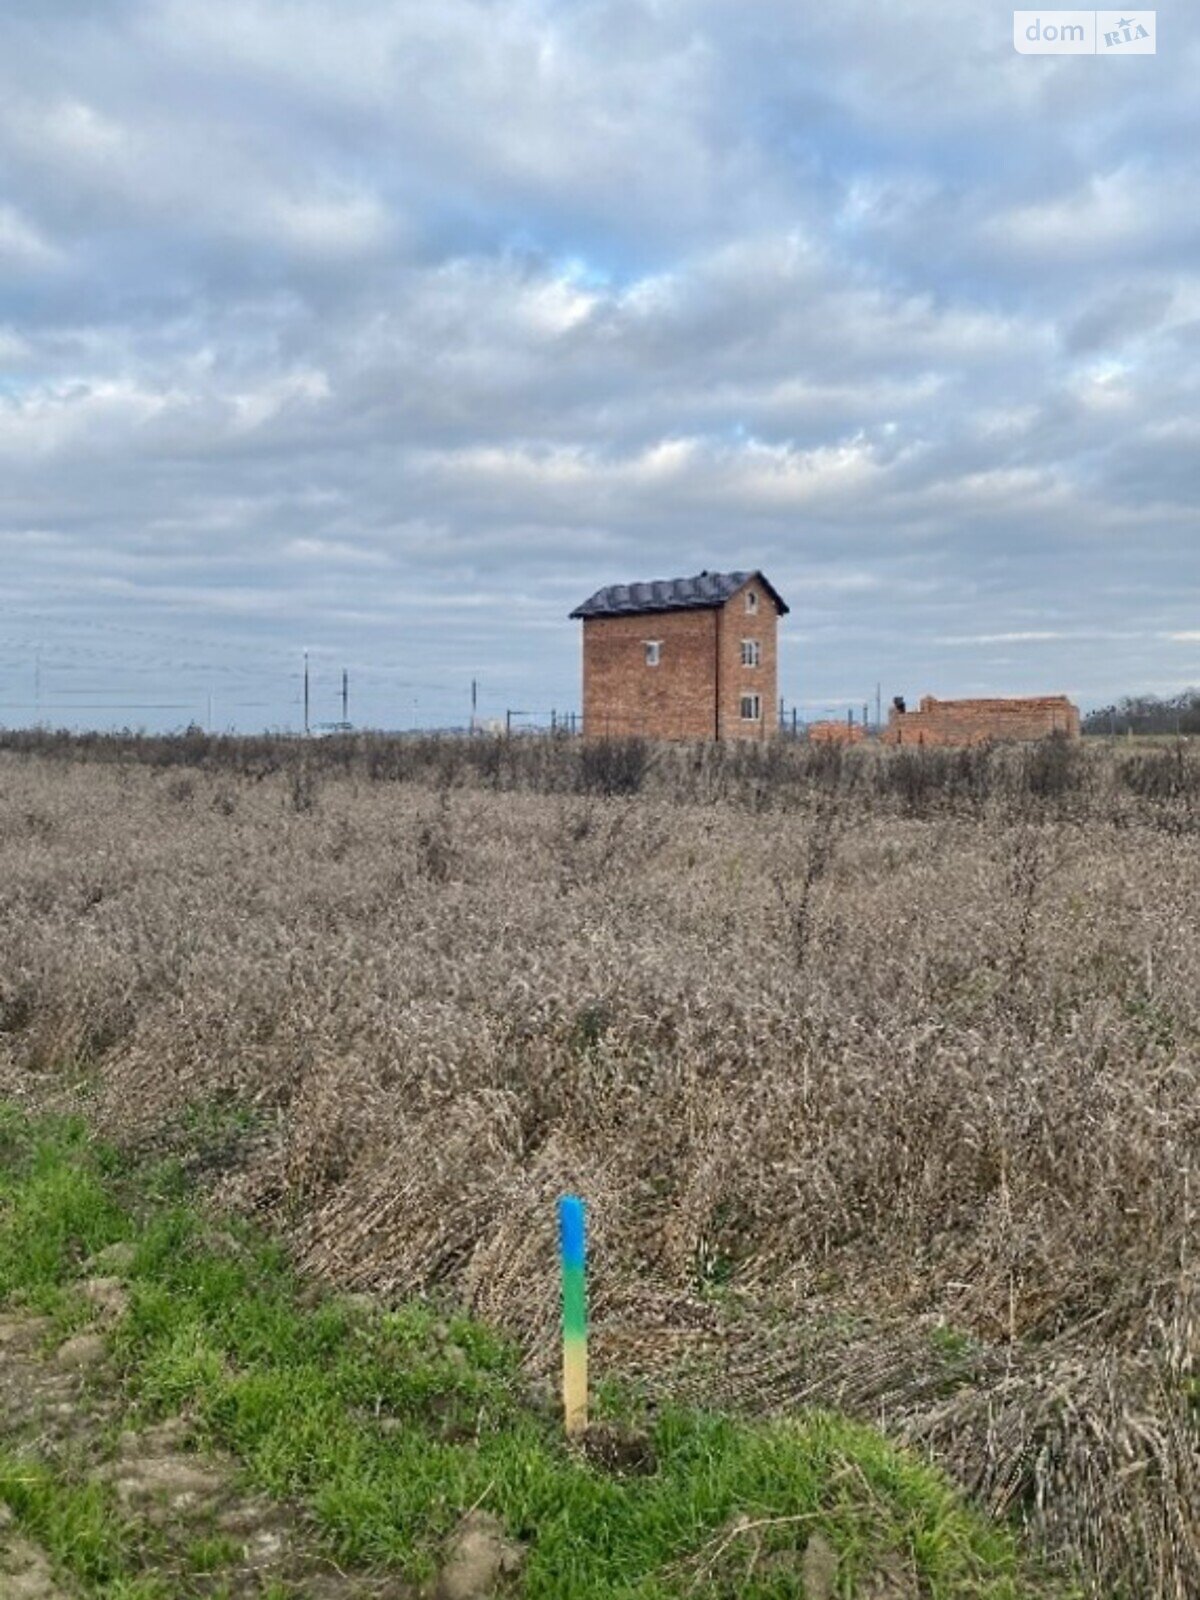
182 1517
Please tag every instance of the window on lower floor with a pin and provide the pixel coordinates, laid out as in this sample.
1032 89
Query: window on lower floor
653 652
751 653
751 708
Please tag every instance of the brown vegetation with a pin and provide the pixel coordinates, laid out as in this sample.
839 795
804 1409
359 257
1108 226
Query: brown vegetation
881 1070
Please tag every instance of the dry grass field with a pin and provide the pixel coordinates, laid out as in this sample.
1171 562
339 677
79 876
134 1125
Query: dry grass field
881 1073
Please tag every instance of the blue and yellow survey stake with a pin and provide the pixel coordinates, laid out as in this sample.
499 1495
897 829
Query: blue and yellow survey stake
572 1233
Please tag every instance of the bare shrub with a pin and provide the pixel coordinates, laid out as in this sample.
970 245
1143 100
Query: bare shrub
436 855
1158 774
797 882
1029 859
303 788
614 766
1055 779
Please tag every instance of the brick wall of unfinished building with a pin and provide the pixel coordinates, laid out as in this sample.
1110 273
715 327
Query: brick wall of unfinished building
836 733
967 722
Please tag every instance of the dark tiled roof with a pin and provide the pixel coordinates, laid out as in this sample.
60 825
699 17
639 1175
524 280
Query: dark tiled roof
705 592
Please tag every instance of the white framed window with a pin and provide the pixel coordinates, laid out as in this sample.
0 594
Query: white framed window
751 708
653 652
751 653
751 601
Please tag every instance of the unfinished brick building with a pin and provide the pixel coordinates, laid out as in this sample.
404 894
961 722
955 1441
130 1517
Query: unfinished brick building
836 733
967 722
685 658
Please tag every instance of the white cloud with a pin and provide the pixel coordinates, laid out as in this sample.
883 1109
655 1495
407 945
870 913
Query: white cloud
300 388
22 244
13 348
335 550
74 130
331 226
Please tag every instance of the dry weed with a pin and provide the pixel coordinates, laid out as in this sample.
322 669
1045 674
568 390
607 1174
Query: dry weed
883 1079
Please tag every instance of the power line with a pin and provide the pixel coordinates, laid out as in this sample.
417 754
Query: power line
98 705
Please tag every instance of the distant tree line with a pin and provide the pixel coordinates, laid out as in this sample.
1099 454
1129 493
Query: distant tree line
1147 713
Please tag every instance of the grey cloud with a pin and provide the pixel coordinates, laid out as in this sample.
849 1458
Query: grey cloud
1118 317
393 330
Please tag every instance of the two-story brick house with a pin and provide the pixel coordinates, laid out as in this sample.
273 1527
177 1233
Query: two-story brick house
686 658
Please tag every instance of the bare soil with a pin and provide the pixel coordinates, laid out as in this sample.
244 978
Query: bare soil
60 1407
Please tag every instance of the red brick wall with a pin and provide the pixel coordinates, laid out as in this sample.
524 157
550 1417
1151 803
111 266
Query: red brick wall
695 691
966 722
623 696
735 680
836 733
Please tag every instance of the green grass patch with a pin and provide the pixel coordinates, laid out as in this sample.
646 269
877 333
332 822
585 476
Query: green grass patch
55 1209
77 1523
390 1425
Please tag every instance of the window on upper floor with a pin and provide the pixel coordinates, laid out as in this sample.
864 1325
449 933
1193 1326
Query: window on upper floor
653 652
751 708
751 653
751 601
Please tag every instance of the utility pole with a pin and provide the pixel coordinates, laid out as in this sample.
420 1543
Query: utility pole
474 703
345 696
306 692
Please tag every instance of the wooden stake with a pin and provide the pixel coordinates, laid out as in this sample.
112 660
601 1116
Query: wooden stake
572 1233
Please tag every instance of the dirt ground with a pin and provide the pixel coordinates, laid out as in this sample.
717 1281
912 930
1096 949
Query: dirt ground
60 1407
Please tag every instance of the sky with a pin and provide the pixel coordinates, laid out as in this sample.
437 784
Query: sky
391 331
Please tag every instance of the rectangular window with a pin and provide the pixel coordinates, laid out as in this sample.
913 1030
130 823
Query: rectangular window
751 708
751 653
751 601
653 652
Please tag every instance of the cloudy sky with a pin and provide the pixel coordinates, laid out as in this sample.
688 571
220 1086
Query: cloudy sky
393 328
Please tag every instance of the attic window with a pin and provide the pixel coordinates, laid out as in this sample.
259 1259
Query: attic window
751 601
653 652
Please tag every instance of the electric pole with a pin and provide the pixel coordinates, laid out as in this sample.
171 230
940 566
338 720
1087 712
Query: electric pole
345 696
306 692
